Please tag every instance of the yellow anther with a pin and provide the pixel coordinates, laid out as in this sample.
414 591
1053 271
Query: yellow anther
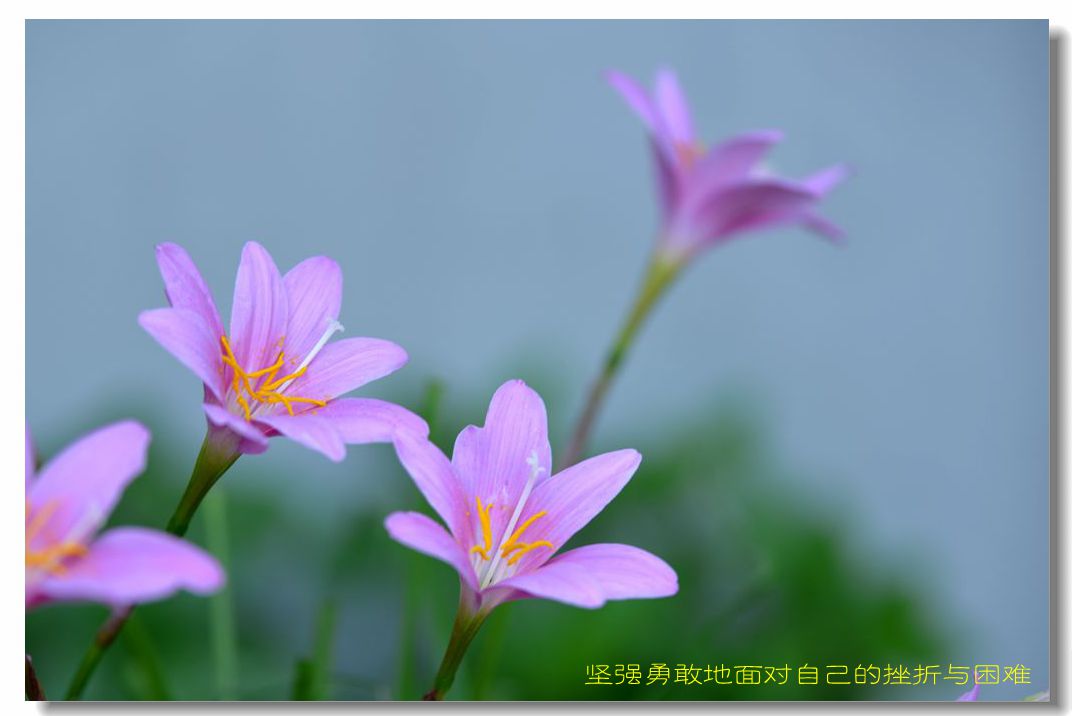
512 543
528 548
50 558
268 391
485 527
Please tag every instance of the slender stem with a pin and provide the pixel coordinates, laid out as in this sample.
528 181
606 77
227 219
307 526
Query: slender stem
104 638
661 271
218 453
34 691
466 624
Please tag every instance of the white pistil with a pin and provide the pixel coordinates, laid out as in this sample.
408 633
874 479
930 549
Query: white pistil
333 327
491 574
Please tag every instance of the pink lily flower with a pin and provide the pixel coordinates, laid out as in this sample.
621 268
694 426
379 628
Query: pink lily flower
69 501
970 695
709 196
275 372
506 516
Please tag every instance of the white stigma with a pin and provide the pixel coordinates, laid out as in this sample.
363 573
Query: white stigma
333 327
491 575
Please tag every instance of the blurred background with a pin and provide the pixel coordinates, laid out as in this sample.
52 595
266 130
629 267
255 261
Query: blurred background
846 451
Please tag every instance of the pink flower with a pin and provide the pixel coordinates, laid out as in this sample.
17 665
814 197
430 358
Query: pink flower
275 372
506 516
709 196
69 502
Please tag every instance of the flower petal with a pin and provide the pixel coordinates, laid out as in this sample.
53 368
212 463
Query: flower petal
589 576
184 286
823 226
437 480
312 431
732 160
314 295
493 461
131 565
673 107
427 536
823 181
85 481
573 497
184 334
367 420
347 365
259 311
635 96
753 205
254 440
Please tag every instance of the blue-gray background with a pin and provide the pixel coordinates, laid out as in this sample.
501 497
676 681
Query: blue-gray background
489 199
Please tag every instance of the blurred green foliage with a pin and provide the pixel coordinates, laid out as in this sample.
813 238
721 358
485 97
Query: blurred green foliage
333 609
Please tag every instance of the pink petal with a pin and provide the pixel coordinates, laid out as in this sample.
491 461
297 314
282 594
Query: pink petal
185 335
732 160
823 181
346 365
757 204
673 107
425 535
131 565
823 226
314 295
253 438
184 286
310 430
259 311
367 420
86 480
493 461
589 576
635 96
573 497
437 480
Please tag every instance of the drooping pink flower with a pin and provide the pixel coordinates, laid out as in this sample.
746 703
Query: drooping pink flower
275 371
709 196
506 517
69 501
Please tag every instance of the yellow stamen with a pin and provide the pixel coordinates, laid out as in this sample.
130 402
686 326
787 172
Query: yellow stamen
50 558
268 392
512 544
485 526
528 548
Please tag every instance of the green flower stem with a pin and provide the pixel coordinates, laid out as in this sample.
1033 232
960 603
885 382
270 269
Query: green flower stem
103 639
218 453
662 270
466 624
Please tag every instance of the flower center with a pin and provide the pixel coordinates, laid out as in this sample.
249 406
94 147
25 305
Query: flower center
49 559
489 561
253 389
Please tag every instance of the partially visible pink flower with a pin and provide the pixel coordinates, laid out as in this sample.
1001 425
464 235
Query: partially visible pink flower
709 196
506 516
275 372
970 695
69 501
